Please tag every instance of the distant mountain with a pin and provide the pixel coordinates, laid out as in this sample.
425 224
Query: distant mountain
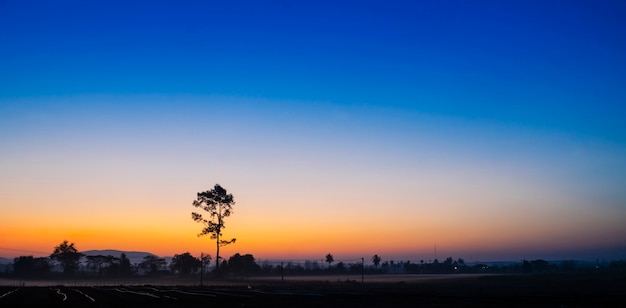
6 261
134 256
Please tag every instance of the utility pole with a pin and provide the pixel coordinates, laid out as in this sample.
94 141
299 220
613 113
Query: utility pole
362 269
201 267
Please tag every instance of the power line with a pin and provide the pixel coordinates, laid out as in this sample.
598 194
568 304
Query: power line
22 250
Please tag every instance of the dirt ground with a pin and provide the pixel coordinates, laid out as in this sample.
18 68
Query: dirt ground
562 290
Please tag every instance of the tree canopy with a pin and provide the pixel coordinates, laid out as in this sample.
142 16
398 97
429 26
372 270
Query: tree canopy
376 260
329 259
29 266
243 264
185 263
151 264
68 256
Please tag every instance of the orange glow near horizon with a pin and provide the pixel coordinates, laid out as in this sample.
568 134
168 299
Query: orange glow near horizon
284 239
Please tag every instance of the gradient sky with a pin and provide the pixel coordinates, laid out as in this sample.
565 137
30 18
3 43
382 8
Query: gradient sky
492 129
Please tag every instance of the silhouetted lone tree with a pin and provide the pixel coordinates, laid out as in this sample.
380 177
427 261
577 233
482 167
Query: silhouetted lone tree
376 260
329 259
68 256
219 205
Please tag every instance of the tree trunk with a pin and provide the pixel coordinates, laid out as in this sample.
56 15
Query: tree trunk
219 230
217 265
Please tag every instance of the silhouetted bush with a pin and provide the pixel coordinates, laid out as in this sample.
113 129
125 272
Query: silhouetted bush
27 266
242 265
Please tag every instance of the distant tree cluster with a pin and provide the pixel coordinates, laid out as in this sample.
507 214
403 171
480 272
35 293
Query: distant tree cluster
71 262
185 264
152 265
27 266
110 266
67 258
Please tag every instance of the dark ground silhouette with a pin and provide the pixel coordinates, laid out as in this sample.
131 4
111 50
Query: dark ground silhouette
522 290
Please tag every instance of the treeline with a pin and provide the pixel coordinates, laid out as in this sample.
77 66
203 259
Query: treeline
67 261
246 265
448 266
114 267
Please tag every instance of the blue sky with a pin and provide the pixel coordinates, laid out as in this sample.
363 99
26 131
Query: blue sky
448 105
539 63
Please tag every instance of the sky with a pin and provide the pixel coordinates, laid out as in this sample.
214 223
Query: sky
482 130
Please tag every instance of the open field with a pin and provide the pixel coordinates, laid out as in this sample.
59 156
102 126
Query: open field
264 280
562 290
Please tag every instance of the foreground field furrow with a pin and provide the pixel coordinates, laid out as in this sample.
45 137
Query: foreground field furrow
229 294
8 293
287 292
15 297
124 290
85 295
109 297
27 297
62 295
194 293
